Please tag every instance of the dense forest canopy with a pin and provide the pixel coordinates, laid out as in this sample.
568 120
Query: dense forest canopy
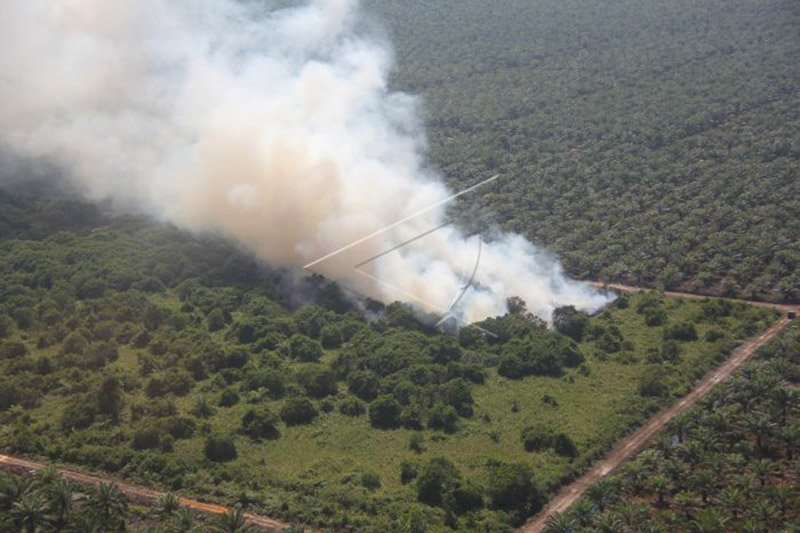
649 142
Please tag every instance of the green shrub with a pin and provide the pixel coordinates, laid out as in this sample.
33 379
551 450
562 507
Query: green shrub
146 439
370 481
260 423
685 331
220 449
228 398
351 406
437 478
298 411
384 412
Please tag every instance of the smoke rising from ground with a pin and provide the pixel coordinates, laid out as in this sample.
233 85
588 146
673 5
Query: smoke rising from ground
276 129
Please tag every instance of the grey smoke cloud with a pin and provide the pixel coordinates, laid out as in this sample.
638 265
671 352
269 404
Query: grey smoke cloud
276 129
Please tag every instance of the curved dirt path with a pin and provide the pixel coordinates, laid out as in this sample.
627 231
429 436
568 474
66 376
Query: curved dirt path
632 444
138 494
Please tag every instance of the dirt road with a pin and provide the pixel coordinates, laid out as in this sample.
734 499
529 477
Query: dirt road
618 287
638 440
138 494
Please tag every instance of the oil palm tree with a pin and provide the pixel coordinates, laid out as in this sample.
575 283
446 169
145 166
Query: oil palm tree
767 514
233 522
634 475
783 401
167 505
609 523
185 520
602 493
783 496
709 521
790 438
633 514
704 481
30 512
760 425
560 523
658 484
109 505
62 496
685 501
763 469
731 499
14 489
583 510
678 426
675 471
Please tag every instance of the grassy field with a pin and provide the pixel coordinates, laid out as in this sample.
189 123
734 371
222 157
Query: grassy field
594 405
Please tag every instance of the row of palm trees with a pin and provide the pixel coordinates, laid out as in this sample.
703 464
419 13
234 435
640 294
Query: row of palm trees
729 464
46 502
49 502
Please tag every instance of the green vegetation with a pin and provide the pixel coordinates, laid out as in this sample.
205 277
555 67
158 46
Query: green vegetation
48 502
175 362
643 141
728 464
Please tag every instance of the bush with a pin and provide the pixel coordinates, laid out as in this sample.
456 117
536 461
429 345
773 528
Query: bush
6 326
78 415
10 394
437 478
317 380
443 417
228 398
570 322
179 427
670 352
540 437
384 412
564 446
511 488
416 443
12 350
537 438
370 481
302 348
653 383
467 497
364 384
203 409
273 381
655 317
351 406
146 439
260 423
685 331
75 343
408 472
220 449
215 320
297 411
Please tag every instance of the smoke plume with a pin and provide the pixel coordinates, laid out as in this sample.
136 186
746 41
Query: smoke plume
275 128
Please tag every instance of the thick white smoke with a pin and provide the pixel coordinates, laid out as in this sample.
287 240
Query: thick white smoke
273 128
